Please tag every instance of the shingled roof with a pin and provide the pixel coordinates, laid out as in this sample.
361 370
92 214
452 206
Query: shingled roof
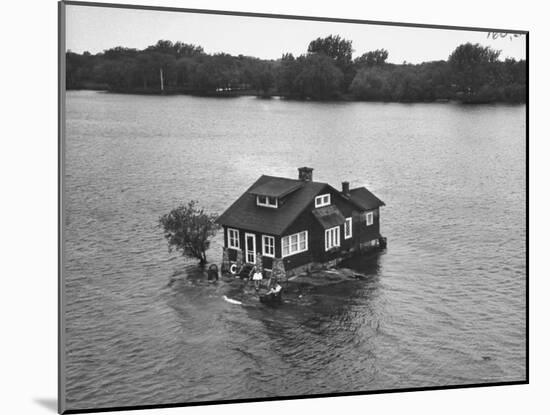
277 187
365 199
328 216
298 194
245 214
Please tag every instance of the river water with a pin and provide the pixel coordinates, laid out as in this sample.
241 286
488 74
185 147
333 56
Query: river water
443 305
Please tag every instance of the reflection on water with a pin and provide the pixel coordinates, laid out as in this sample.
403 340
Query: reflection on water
445 304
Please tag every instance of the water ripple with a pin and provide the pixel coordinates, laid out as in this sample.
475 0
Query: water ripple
444 305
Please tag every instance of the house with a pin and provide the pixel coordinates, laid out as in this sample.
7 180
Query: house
287 226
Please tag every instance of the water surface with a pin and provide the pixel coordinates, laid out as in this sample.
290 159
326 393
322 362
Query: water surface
444 305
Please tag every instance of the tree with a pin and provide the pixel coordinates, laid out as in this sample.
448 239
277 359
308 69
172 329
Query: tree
340 51
117 73
263 81
335 47
473 66
370 84
468 55
472 73
372 58
215 71
257 74
407 87
177 50
188 229
319 78
187 50
287 71
185 68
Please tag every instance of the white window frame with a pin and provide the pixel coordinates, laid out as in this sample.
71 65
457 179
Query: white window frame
271 245
332 238
237 238
369 218
267 200
301 240
322 200
348 222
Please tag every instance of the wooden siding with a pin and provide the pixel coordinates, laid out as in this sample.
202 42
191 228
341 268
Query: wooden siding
267 261
361 233
368 233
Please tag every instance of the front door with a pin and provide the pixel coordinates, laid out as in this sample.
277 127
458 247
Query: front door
250 247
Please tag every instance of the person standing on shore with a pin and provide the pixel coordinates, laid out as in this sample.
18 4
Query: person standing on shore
257 277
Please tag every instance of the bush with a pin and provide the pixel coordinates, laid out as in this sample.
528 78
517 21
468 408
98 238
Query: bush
188 229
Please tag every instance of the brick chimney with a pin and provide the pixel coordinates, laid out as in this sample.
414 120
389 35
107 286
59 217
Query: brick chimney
345 188
305 174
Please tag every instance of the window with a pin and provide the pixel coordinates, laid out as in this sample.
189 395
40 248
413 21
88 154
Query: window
322 200
267 201
332 238
347 228
369 217
294 244
233 238
268 245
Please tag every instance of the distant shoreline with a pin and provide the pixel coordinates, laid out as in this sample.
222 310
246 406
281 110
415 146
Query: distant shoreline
249 93
472 74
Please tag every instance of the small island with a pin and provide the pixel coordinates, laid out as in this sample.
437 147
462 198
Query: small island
284 227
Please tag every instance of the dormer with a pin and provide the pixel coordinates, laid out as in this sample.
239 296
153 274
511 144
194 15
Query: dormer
274 192
322 200
267 201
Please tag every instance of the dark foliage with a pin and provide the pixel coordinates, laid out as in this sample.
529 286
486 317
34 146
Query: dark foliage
375 57
314 76
472 73
340 51
188 229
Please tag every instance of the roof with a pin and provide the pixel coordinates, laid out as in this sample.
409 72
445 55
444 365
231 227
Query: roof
329 216
244 213
365 199
277 187
298 194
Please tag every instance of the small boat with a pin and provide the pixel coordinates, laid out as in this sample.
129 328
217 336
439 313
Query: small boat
271 297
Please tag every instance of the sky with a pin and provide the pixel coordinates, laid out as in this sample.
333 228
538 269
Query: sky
95 29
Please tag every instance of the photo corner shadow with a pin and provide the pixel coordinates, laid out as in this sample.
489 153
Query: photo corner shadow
48 403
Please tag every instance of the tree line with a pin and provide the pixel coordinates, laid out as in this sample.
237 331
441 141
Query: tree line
327 71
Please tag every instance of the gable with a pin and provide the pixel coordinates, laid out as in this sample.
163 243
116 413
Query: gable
365 199
245 214
339 208
296 196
